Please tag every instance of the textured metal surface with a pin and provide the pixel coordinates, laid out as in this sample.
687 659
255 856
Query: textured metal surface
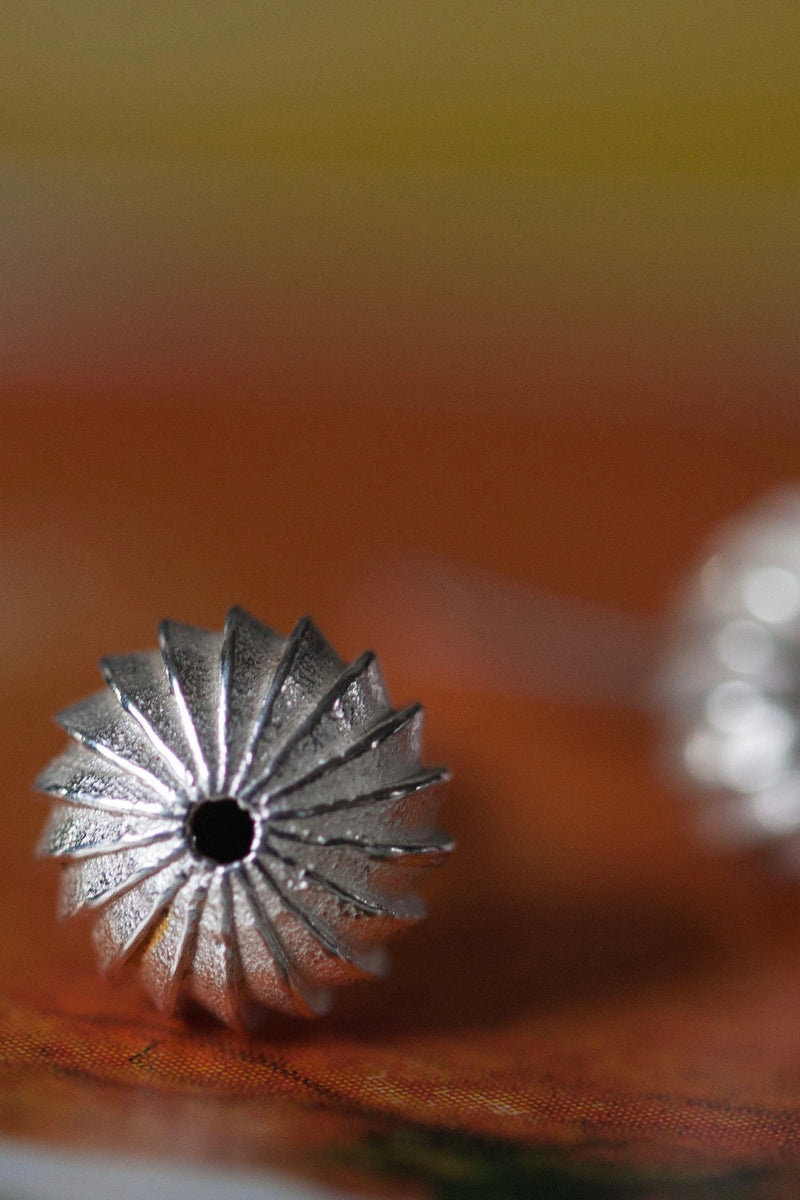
247 813
732 685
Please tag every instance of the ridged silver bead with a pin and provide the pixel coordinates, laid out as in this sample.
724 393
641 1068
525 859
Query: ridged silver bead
732 684
248 814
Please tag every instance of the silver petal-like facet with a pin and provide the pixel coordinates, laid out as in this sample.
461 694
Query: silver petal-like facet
247 813
192 658
140 683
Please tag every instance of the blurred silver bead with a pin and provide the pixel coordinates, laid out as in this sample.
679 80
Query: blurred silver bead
731 689
248 813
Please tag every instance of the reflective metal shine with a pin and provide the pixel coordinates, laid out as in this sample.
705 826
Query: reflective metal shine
248 814
731 689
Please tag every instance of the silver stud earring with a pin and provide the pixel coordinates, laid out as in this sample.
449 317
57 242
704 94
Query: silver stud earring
732 687
247 813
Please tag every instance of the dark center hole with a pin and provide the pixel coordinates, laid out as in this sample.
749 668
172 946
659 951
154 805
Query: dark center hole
222 831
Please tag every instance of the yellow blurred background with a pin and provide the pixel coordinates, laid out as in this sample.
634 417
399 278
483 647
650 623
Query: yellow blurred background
530 204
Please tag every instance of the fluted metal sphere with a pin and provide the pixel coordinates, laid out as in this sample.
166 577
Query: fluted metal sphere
732 684
248 813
